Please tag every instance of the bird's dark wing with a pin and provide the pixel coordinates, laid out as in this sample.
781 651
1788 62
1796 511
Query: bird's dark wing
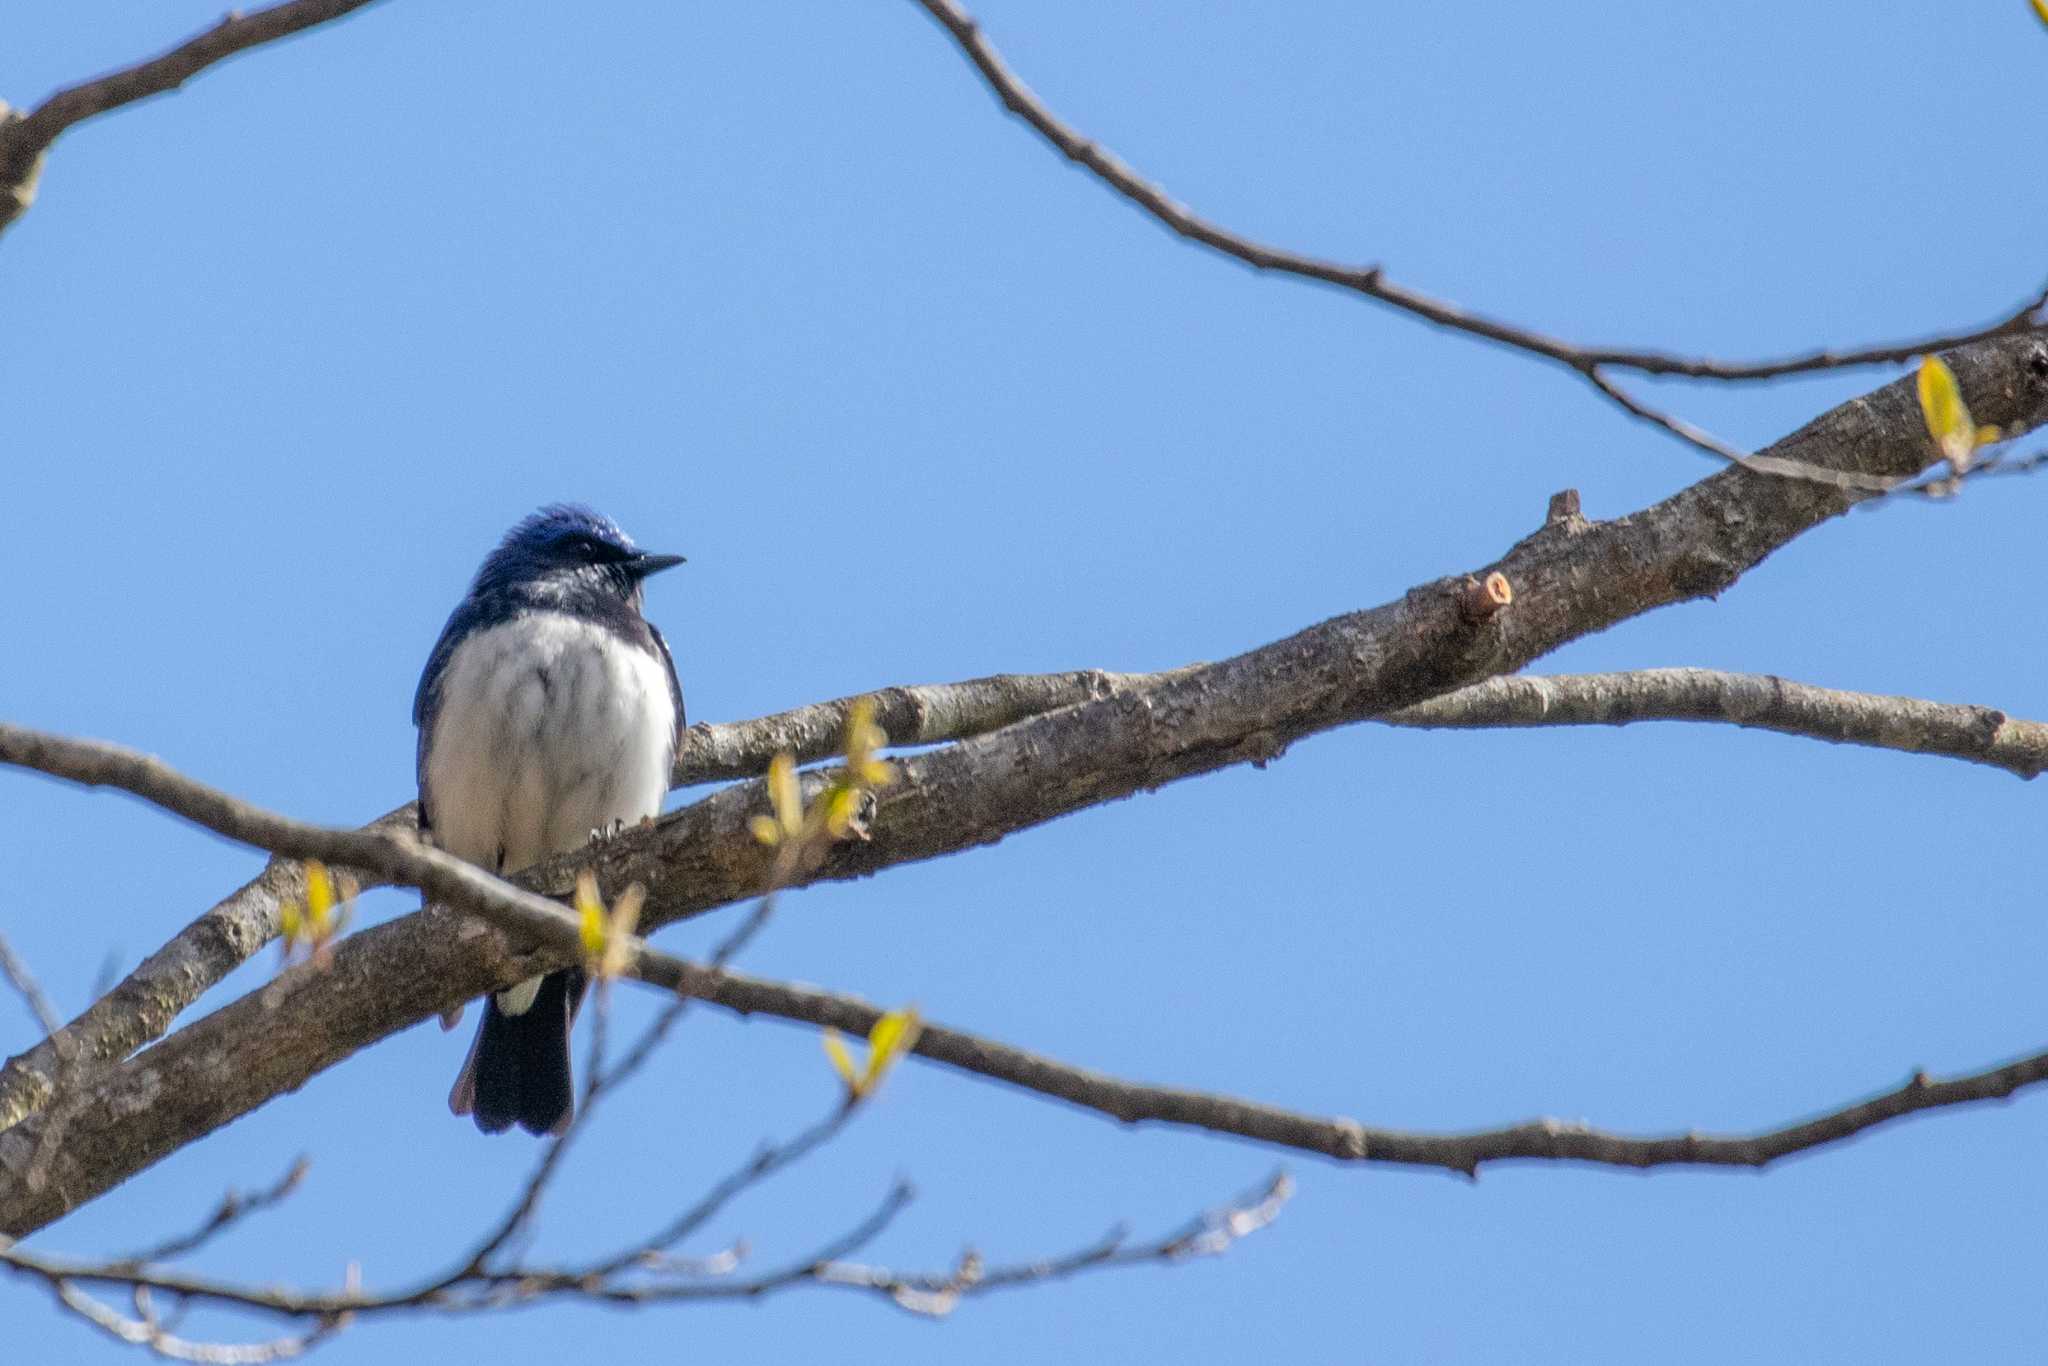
426 699
675 688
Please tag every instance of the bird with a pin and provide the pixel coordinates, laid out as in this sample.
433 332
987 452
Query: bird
548 715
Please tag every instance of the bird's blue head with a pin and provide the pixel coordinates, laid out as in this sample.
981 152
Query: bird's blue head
566 555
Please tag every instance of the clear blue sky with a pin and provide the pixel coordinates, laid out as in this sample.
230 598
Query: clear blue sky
780 288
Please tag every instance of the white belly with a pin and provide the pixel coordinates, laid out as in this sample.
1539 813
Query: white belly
547 728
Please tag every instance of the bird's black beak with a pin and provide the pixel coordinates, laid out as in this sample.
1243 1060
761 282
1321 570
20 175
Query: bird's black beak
640 566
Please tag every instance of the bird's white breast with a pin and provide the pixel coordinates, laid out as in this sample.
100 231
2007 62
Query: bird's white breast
548 727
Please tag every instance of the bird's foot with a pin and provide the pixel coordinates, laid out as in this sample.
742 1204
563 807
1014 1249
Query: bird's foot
605 834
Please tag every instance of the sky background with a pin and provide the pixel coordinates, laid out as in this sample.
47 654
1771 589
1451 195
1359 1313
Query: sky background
780 288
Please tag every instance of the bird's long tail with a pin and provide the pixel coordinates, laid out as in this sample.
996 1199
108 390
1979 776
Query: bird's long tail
518 1069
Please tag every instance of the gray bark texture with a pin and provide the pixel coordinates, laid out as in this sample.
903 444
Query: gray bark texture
1978 735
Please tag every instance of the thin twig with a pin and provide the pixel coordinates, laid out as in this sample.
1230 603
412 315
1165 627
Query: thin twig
764 1164
25 138
1206 1235
1119 176
1129 1102
1704 440
29 989
1943 487
1372 282
232 1209
139 1332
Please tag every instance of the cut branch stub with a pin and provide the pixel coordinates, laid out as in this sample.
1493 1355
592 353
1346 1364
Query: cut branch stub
1481 598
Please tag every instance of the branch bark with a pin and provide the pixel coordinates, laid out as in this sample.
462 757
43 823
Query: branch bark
1570 578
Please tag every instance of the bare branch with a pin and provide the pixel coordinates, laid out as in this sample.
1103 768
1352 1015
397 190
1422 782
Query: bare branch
1549 1140
25 138
389 854
1208 1234
923 715
1977 734
1980 735
936 1294
143 1006
144 1332
1344 1139
1704 440
1371 281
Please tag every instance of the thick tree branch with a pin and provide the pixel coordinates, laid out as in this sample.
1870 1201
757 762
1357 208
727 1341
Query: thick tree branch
401 859
24 138
1371 281
920 715
142 1008
1978 734
1570 578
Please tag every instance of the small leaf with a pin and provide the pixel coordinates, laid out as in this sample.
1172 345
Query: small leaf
319 893
319 920
591 911
893 1035
842 1061
1988 435
766 830
784 794
1947 416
